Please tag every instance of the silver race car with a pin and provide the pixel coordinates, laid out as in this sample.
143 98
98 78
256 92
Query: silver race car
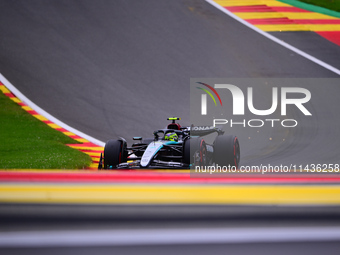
173 147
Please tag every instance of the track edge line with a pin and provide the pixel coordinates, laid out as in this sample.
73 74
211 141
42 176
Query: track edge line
42 112
274 39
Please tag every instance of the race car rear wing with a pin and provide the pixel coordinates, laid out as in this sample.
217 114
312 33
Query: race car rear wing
205 130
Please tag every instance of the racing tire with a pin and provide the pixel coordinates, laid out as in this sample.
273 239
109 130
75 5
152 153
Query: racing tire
227 151
194 152
114 153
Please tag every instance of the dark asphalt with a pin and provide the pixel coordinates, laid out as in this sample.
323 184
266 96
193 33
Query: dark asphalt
120 68
313 44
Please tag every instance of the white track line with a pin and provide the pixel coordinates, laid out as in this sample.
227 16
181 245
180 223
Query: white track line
36 108
167 236
286 45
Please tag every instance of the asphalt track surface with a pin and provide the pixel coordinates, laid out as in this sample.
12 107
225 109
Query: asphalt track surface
120 68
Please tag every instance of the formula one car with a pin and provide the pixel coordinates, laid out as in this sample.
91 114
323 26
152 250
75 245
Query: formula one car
173 147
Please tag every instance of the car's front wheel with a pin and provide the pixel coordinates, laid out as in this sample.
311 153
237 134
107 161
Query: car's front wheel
114 153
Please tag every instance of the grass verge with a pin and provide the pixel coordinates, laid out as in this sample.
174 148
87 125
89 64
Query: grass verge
27 143
329 4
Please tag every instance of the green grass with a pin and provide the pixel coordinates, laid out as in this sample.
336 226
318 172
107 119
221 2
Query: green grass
27 143
329 4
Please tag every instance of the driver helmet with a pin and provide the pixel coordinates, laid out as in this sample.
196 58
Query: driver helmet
171 136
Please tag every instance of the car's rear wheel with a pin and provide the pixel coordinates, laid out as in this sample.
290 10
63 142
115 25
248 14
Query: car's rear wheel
194 152
227 151
114 153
